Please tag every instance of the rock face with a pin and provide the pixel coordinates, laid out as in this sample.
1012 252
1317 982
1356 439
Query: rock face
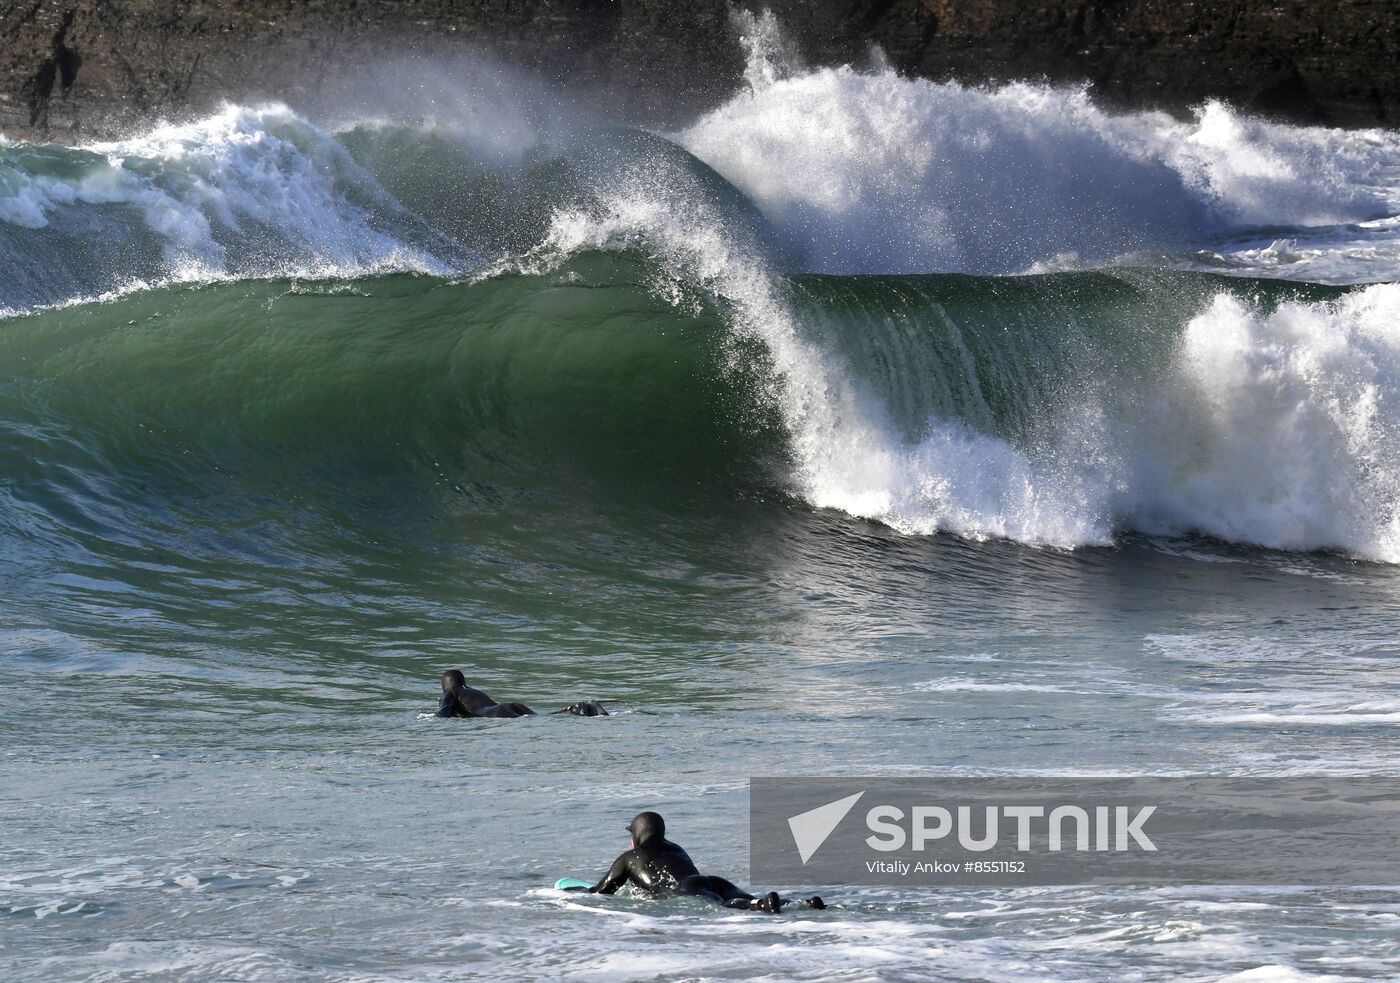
75 69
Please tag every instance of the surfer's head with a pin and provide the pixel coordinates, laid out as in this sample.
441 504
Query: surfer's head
453 680
646 826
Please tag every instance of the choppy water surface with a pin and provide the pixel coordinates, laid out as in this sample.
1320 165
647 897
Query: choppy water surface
866 426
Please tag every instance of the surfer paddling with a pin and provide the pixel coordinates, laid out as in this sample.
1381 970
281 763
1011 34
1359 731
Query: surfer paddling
460 700
660 867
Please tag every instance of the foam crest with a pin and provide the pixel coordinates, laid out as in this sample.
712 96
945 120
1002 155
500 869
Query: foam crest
1279 431
245 192
1268 425
866 171
846 450
1269 174
267 170
1262 423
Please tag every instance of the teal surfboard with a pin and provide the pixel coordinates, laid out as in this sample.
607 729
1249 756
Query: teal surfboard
572 884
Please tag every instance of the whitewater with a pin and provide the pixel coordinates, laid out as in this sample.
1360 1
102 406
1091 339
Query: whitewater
863 424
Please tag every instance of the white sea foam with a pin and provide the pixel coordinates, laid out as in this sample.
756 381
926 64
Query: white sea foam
953 685
266 170
866 171
244 192
1267 426
1276 428
1274 973
1362 252
857 170
846 453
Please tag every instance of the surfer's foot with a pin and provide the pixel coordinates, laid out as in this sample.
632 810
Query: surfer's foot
770 903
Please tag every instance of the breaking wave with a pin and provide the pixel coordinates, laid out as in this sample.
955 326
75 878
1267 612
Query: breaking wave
804 291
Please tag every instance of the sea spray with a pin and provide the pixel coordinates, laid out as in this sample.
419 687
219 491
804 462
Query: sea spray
1277 427
1261 426
846 451
247 192
871 172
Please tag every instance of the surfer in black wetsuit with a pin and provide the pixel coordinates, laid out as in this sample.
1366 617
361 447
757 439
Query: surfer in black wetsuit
461 700
658 866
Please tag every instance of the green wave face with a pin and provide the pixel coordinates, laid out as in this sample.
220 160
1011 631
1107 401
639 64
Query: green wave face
597 378
604 318
512 382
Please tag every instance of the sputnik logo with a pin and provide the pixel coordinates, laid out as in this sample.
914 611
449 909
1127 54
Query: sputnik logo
810 829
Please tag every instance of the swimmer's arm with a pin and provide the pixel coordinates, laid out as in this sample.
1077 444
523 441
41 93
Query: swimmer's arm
446 705
616 877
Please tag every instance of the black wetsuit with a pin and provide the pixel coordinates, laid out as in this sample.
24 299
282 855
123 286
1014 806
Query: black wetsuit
658 866
467 702
464 701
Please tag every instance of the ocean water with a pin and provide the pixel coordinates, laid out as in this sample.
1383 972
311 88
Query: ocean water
865 425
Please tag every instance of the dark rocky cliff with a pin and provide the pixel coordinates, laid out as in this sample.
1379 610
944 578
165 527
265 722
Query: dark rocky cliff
83 68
